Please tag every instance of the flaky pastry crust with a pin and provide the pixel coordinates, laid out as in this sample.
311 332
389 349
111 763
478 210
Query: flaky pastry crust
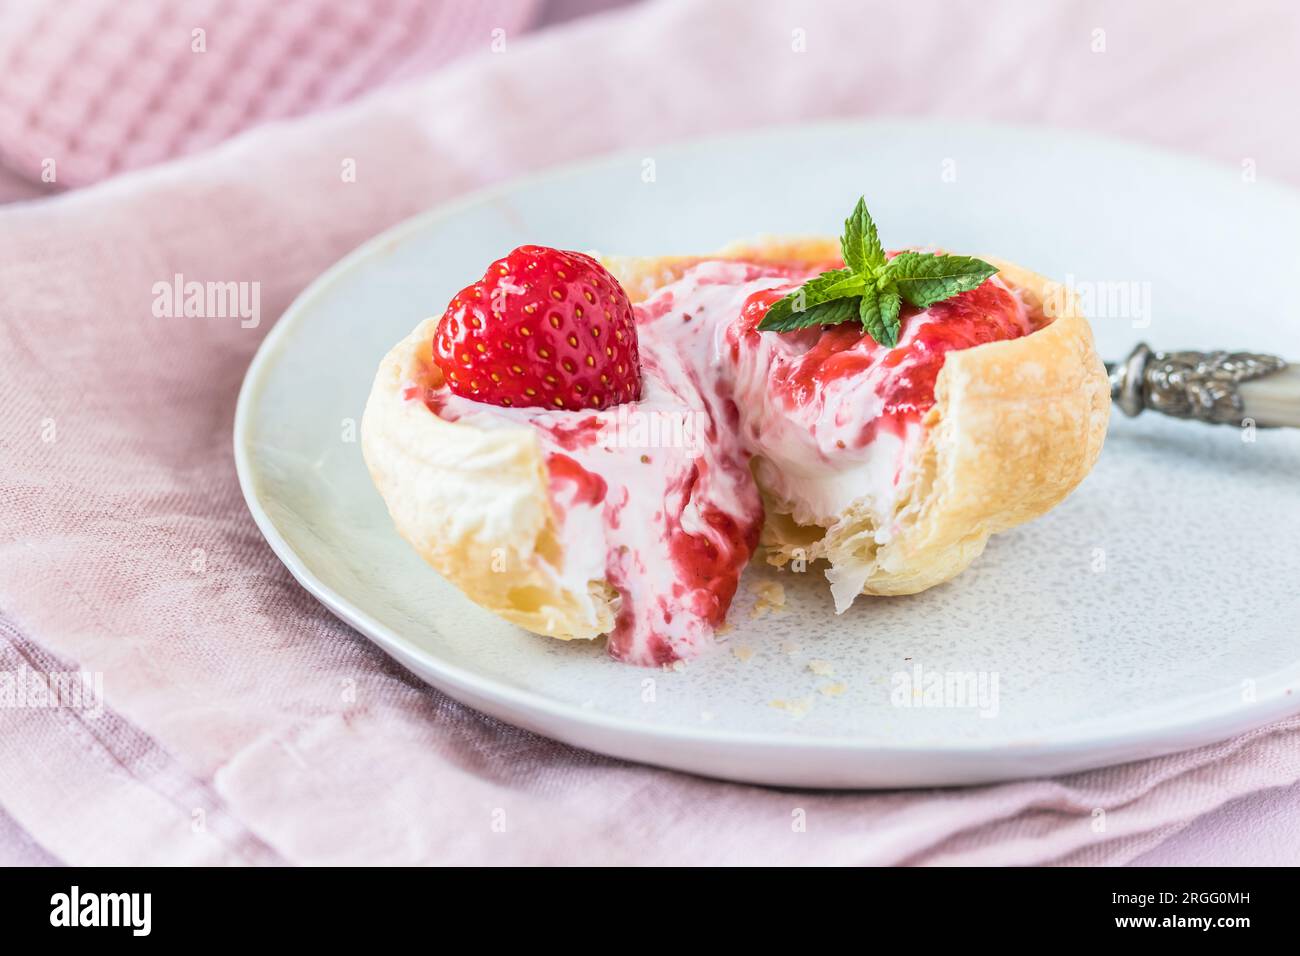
1015 427
473 502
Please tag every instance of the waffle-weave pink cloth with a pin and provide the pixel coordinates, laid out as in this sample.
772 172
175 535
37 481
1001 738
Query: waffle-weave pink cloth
95 87
244 724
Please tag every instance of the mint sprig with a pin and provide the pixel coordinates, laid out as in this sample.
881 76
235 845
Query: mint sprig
873 288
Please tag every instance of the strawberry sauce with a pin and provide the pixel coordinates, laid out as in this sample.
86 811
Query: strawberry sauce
822 356
589 488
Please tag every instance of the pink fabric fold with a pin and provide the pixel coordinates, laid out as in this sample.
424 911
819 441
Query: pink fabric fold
96 87
242 724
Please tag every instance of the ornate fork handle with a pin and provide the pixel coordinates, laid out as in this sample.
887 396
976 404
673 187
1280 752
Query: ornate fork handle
1206 386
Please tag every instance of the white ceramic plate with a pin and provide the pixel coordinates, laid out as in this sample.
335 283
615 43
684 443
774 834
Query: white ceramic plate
1156 609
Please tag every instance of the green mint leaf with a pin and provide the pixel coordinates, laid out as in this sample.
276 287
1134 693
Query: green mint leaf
832 313
891 307
879 311
823 313
860 243
923 279
839 284
873 319
791 312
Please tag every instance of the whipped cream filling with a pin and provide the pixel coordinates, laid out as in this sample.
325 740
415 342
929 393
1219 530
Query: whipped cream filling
658 497
814 454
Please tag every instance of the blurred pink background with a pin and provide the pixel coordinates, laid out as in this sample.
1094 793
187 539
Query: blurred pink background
108 90
105 87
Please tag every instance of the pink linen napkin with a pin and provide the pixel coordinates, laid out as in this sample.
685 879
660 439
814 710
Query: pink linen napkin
241 722
95 87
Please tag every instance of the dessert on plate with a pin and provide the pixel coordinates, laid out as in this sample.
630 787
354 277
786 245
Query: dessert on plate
599 447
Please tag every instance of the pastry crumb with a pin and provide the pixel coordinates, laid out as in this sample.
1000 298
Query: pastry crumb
795 708
742 652
822 668
678 666
771 597
832 690
790 648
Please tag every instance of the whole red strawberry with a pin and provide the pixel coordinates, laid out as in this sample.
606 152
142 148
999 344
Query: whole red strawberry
542 328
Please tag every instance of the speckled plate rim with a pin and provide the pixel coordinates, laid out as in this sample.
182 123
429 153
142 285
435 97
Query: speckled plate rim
1169 726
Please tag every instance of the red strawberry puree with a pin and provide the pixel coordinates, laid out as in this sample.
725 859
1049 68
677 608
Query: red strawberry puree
657 496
